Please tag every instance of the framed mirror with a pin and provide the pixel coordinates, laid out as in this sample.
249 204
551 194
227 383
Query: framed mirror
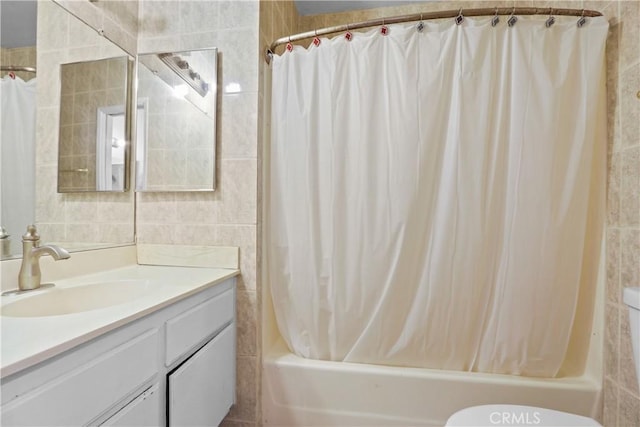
176 121
93 149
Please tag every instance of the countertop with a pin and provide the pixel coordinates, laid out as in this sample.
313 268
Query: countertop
26 341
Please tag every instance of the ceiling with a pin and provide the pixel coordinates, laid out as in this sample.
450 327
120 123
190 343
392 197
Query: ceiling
17 23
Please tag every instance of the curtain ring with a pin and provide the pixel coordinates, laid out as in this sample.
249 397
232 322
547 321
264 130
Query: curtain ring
513 18
496 19
582 20
420 26
289 45
348 35
316 39
459 18
384 30
550 20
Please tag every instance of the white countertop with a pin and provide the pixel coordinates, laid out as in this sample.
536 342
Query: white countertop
26 341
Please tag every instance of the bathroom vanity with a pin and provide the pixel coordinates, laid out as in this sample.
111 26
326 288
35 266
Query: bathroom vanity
164 355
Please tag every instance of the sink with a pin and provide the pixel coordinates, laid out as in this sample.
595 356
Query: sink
76 299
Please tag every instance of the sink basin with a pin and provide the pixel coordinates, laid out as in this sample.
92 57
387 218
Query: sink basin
76 299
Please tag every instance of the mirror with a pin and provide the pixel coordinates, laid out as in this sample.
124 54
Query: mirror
92 150
75 221
176 121
18 121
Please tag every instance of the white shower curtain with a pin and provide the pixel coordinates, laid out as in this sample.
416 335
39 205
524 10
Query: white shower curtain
17 154
433 194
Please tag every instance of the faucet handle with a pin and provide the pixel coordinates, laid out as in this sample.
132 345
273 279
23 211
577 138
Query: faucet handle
31 234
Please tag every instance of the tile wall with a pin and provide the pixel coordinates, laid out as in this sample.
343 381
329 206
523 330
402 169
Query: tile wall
228 216
621 395
118 19
69 217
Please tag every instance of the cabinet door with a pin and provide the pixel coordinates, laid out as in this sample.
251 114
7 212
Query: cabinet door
202 389
144 410
66 400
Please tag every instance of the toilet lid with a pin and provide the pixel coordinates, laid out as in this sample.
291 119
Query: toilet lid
516 416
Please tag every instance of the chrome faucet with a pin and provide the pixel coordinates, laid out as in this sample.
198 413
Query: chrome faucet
30 276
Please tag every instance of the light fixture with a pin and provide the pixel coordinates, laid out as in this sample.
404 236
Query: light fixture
182 68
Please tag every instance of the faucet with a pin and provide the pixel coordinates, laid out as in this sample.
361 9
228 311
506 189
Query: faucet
30 276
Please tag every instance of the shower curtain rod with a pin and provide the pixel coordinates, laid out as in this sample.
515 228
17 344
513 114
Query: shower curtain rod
17 68
430 15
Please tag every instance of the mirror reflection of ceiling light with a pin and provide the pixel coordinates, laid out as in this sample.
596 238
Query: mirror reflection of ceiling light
183 70
180 91
233 87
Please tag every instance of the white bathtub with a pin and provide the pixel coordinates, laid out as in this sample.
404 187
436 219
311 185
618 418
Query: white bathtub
302 392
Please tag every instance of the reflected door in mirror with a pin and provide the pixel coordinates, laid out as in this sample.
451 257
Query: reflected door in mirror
92 149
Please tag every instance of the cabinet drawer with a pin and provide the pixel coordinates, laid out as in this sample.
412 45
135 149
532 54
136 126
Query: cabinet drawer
79 395
186 331
202 389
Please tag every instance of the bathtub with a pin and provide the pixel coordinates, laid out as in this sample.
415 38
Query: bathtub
302 392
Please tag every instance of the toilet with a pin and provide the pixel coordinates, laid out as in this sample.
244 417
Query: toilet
520 415
516 415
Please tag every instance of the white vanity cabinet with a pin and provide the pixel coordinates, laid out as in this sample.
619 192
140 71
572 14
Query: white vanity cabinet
175 366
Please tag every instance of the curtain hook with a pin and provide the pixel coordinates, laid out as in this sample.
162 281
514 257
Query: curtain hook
420 26
459 18
384 30
289 45
348 35
316 40
550 20
513 18
496 19
582 20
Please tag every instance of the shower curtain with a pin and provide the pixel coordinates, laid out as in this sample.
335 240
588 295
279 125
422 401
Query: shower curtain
434 194
17 155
